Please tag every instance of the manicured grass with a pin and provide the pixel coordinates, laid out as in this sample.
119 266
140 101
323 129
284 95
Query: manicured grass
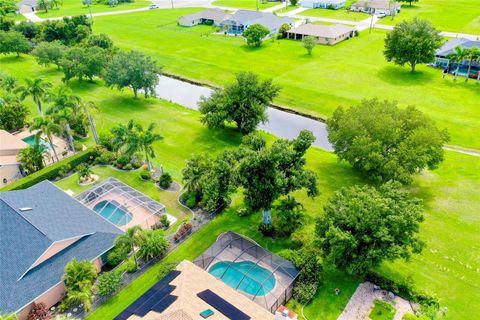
336 75
76 7
341 14
382 311
246 4
456 16
448 267
168 199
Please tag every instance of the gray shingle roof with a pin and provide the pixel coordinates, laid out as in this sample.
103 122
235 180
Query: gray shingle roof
266 19
449 46
210 14
323 31
25 236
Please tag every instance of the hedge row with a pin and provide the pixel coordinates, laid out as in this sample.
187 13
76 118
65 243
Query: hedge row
402 288
51 172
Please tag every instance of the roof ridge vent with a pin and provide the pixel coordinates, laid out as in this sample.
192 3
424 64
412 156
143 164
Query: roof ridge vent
23 209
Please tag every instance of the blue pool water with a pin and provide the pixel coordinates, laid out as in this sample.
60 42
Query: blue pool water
114 212
257 282
31 141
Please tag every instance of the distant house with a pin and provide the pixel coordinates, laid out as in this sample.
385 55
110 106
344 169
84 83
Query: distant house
210 16
242 19
325 34
41 230
10 146
377 7
324 4
442 59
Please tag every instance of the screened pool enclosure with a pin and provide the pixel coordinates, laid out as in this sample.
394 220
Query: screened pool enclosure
252 270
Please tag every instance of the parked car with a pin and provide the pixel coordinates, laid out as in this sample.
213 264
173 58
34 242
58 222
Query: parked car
153 6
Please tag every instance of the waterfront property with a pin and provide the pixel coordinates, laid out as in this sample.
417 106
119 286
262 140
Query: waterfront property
323 4
10 147
124 206
378 7
443 60
325 34
250 269
242 19
42 229
209 17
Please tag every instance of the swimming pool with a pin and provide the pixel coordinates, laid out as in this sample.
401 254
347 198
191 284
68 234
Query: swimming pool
31 141
114 212
259 281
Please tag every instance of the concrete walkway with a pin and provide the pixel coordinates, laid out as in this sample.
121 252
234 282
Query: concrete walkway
362 302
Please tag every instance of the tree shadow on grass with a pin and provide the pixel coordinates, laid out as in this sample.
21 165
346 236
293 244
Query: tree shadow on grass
403 77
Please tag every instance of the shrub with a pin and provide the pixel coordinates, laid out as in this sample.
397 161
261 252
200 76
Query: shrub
109 282
78 273
185 229
145 175
304 292
165 268
189 198
105 139
165 180
116 256
128 166
137 164
64 170
123 160
39 311
105 157
83 170
164 221
151 243
242 212
283 30
51 172
130 266
268 230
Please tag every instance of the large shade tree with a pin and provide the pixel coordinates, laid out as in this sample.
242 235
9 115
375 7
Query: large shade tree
244 102
412 42
384 142
363 226
268 173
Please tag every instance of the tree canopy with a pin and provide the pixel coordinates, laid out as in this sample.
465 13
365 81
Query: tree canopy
14 42
384 142
244 102
84 63
363 226
135 70
49 52
255 34
412 42
309 42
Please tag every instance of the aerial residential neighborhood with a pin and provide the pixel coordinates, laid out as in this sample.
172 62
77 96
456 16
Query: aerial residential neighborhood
239 159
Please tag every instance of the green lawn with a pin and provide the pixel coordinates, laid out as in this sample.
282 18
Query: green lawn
76 7
246 4
336 75
287 9
382 311
341 14
455 16
448 267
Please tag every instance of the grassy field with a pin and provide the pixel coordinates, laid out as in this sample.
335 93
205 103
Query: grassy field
457 16
336 75
246 4
382 311
341 14
449 267
76 7
287 9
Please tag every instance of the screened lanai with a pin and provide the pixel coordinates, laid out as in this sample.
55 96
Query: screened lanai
123 205
252 270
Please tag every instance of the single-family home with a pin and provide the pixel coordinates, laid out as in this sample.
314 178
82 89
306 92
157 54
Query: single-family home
377 7
41 229
242 19
325 34
324 4
10 146
210 17
442 59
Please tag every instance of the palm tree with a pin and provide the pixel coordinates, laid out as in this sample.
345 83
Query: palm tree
145 140
37 89
129 240
62 98
124 138
86 107
458 56
7 82
63 117
152 243
83 296
473 55
48 128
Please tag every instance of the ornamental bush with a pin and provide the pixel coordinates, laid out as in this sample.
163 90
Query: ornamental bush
108 283
165 180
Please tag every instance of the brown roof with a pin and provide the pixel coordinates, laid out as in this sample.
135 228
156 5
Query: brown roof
322 31
9 142
188 305
210 14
